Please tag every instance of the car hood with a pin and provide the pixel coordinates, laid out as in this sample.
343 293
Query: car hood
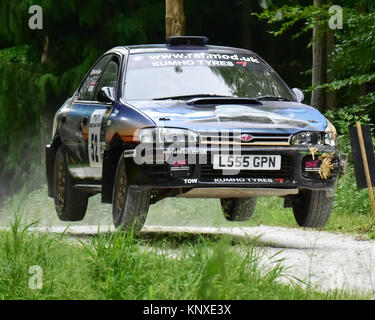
269 116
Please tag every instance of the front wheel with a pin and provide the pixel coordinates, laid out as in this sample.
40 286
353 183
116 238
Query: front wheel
312 208
238 209
129 207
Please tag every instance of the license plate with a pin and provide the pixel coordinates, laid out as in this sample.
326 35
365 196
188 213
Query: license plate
247 162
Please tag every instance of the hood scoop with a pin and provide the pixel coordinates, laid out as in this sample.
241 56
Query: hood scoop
222 101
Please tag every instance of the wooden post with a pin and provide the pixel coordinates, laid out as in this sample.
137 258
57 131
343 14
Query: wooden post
365 166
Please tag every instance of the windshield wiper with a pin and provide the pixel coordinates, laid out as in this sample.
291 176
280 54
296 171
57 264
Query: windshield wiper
271 98
191 96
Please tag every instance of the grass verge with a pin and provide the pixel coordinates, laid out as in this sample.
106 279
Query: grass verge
124 266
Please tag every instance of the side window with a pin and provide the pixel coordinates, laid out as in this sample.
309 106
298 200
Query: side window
86 92
109 77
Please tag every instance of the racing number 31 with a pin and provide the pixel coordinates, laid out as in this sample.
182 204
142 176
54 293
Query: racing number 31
94 145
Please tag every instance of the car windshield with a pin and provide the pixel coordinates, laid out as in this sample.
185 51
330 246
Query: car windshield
185 74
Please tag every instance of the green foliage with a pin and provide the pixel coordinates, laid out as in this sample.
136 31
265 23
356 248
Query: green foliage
355 80
357 203
352 60
289 16
343 118
16 111
356 39
24 96
30 91
20 54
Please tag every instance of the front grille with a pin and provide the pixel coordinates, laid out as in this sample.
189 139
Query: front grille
285 172
235 138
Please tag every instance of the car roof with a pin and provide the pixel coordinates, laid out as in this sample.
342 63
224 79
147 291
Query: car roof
160 48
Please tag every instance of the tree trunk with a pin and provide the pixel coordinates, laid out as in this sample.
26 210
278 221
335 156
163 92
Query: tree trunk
45 49
174 18
319 68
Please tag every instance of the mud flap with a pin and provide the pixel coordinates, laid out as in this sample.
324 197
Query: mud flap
110 161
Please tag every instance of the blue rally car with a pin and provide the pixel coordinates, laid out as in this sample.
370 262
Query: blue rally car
186 119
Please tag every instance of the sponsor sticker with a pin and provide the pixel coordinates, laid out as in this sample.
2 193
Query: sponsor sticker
193 59
312 166
190 181
243 180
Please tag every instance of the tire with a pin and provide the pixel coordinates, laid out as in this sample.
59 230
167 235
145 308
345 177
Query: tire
129 207
238 209
312 208
70 203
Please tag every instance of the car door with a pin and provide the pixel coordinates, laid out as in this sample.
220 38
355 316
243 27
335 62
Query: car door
96 116
82 124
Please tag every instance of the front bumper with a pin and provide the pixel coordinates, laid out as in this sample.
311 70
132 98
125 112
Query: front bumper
299 170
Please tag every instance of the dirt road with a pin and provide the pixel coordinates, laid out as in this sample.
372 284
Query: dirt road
325 260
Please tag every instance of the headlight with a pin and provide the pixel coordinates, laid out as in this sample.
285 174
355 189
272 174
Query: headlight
327 138
307 138
330 135
167 135
314 138
330 139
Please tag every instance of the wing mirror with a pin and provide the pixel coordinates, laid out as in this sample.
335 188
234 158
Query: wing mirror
106 95
299 95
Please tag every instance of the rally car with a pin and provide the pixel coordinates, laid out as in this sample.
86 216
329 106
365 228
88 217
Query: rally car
187 119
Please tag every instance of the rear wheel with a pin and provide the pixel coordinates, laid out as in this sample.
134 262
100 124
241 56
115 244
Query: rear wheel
238 209
70 203
312 208
130 207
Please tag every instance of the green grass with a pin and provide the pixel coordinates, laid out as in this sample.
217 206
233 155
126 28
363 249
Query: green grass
351 212
123 266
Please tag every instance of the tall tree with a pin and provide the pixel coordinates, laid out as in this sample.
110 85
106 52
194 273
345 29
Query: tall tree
174 18
319 65
323 46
